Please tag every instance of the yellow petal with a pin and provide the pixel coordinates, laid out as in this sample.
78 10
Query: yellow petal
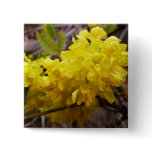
74 95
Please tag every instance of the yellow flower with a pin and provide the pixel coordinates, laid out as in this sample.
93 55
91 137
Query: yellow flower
92 25
98 33
91 67
69 115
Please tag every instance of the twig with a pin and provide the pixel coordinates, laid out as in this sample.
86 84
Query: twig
33 30
111 108
123 33
43 121
68 28
69 33
31 122
60 25
50 111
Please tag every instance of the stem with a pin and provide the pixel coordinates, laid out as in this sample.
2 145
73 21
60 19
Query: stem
50 111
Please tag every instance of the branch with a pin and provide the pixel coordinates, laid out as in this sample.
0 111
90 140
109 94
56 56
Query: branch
31 122
50 111
123 33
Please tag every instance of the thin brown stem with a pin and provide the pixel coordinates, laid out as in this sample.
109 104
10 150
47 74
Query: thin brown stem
50 111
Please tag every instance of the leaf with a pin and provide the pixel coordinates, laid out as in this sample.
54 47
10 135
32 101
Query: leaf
48 46
49 31
61 41
110 28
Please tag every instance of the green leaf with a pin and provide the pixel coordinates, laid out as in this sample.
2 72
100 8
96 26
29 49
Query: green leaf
61 41
31 56
110 28
42 54
48 46
116 91
49 31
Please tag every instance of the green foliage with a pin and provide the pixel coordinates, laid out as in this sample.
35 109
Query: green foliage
109 28
116 91
46 40
48 46
61 41
31 56
49 30
42 54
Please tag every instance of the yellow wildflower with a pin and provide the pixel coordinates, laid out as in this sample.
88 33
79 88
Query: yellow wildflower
91 67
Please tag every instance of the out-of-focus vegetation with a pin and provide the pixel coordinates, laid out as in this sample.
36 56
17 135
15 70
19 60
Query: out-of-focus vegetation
46 39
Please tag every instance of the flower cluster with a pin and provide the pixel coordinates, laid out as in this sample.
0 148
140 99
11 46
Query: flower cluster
79 114
91 67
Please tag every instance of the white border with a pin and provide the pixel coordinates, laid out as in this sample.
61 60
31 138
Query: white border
16 138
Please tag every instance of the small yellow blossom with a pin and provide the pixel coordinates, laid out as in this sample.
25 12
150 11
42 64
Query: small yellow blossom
92 25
